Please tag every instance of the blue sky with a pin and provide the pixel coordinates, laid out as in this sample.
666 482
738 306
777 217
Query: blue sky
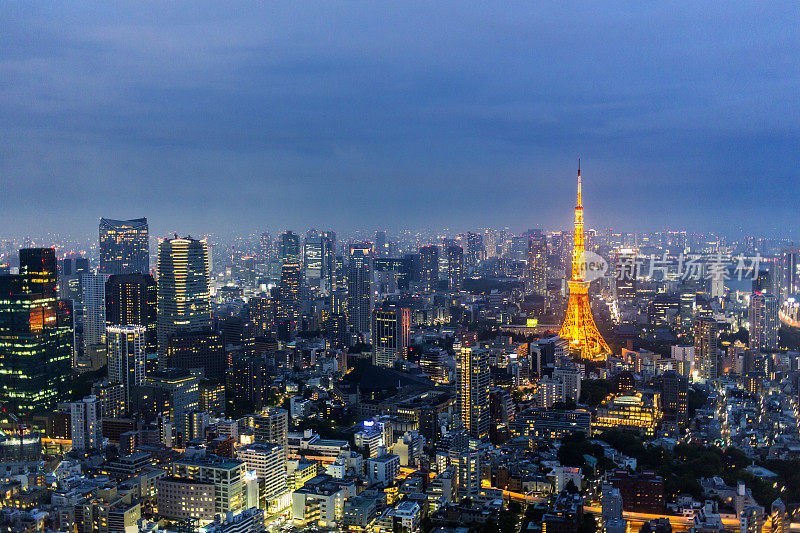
213 116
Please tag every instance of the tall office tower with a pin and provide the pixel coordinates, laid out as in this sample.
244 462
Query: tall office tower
473 391
390 328
65 319
182 392
429 267
262 316
706 331
476 252
111 397
38 272
392 274
625 274
455 267
762 282
291 287
579 327
131 300
266 248
359 287
381 244
271 425
788 278
203 350
183 289
126 357
124 246
763 317
289 248
312 257
35 352
329 260
94 312
70 270
674 398
536 269
86 428
687 300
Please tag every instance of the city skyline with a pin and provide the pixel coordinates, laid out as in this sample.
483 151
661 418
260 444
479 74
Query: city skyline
444 117
401 267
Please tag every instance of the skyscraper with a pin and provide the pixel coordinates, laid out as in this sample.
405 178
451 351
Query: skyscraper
473 391
182 392
124 246
313 257
476 252
381 244
199 349
579 327
85 420
359 287
455 267
674 398
126 357
625 274
706 331
35 353
291 286
69 278
266 248
131 300
289 248
390 328
183 288
329 260
536 269
94 311
429 267
763 317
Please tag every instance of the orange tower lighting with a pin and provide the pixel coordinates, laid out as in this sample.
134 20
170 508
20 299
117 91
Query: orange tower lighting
579 327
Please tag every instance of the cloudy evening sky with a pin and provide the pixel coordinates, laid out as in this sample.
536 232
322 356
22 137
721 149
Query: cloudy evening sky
213 116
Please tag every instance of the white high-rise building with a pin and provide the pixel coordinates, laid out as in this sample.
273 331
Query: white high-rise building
268 461
94 315
127 346
86 428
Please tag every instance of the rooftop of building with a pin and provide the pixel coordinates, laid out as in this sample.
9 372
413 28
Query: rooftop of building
210 460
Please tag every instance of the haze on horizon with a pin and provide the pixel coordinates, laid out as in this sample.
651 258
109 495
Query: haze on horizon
205 117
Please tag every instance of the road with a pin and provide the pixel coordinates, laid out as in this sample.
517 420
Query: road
679 523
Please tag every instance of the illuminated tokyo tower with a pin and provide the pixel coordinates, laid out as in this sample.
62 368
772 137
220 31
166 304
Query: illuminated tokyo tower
579 327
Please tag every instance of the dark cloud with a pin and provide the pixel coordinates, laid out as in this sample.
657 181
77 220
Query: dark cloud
215 116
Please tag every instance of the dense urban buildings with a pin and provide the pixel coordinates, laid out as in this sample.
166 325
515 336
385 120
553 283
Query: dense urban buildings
387 315
365 386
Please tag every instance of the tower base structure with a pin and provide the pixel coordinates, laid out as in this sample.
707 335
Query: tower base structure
579 327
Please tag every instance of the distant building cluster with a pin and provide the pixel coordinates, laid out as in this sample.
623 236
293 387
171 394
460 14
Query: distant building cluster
543 381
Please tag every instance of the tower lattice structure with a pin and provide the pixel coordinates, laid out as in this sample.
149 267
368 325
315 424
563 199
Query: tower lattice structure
579 327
